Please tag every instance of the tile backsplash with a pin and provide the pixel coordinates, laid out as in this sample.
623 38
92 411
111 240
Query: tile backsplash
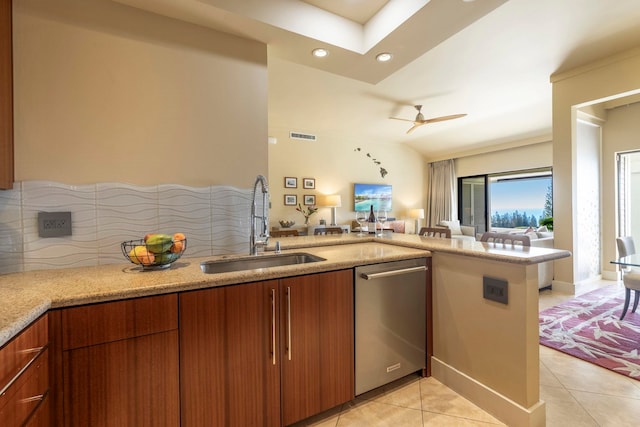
215 220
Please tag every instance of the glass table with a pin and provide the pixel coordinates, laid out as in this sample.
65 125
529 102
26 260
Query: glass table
628 261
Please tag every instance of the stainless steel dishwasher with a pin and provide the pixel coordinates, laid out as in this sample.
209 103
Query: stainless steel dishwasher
390 307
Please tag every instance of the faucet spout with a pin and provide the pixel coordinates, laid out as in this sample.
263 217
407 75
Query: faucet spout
260 240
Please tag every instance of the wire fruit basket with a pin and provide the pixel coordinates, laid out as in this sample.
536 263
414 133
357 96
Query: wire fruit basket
155 251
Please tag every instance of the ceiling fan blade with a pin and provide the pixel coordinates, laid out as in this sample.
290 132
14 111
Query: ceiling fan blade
415 125
398 118
443 118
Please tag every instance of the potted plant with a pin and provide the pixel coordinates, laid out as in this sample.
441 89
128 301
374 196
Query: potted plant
548 222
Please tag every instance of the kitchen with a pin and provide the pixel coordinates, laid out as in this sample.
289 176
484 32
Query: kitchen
89 88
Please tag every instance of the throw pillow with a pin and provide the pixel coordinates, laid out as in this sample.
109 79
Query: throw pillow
542 229
454 226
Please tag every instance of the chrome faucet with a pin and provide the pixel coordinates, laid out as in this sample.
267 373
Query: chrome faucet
256 242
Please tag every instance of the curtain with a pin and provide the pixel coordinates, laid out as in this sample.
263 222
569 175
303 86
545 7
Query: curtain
441 194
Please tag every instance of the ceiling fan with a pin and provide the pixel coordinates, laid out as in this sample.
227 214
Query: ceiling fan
420 120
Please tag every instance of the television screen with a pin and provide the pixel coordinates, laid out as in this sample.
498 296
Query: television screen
378 195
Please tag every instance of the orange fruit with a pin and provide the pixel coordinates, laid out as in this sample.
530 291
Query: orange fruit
140 255
177 247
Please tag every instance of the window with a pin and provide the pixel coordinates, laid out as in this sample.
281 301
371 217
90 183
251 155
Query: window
509 200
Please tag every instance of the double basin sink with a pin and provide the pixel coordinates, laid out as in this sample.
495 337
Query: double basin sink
254 262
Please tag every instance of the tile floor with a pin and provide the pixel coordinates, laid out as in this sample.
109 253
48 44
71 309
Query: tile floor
577 393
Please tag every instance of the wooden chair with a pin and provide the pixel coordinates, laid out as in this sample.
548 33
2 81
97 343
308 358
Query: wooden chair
504 238
440 232
328 230
283 233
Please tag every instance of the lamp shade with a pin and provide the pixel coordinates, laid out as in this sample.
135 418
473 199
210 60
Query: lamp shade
416 213
333 200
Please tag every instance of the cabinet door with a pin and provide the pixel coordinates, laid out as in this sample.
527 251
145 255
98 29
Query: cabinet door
6 97
317 342
228 364
130 382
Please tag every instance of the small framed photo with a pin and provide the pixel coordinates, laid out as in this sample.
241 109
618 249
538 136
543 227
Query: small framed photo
309 200
290 182
290 200
308 183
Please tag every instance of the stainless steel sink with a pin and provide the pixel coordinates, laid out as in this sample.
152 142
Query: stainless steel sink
253 262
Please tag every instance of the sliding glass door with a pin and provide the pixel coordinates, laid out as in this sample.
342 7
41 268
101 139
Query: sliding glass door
517 199
472 202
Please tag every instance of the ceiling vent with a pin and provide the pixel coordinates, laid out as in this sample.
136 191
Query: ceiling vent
303 136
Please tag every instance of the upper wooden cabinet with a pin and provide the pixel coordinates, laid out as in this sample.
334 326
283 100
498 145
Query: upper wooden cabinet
6 97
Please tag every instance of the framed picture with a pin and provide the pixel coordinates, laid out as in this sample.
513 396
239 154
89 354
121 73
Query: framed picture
290 199
309 200
290 182
308 183
376 195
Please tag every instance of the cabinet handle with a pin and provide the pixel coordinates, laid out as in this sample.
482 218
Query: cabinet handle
32 399
38 351
273 326
289 322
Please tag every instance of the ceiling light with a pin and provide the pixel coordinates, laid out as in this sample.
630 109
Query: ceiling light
384 57
320 53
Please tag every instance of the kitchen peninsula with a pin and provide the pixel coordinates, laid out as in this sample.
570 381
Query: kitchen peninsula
483 349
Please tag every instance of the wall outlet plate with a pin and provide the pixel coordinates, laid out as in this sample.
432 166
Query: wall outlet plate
54 224
495 289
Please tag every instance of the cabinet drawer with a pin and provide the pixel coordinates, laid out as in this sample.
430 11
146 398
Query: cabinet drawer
26 394
106 322
18 352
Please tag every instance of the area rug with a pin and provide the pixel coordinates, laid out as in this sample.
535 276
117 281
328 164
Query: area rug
589 328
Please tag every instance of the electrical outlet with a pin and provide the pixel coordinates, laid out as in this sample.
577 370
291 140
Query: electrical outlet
495 289
54 224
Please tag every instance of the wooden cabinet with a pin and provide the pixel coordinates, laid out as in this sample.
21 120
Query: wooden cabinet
236 343
317 343
230 371
6 96
119 363
24 377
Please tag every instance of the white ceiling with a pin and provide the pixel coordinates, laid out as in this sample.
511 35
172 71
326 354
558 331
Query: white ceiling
490 59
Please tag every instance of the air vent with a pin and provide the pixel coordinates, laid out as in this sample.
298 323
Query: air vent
302 136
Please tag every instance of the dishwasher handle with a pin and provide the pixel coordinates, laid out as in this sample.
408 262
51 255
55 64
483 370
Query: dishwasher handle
372 276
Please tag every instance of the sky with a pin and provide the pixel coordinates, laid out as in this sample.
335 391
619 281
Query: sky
522 195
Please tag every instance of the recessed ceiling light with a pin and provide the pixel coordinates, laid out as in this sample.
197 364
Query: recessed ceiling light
384 57
320 53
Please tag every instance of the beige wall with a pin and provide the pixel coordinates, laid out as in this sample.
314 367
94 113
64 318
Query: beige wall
109 93
610 78
512 159
336 167
621 133
331 160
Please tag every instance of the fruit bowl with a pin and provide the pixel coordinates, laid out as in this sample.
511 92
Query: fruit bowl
286 224
155 251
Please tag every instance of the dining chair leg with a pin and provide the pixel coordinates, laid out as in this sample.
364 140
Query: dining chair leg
627 296
635 302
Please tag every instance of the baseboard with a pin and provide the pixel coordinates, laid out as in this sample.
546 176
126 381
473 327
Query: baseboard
501 407
563 287
611 275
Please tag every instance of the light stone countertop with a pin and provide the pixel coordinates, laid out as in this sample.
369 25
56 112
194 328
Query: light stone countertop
25 296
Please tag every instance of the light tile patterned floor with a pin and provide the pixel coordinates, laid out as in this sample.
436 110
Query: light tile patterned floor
577 394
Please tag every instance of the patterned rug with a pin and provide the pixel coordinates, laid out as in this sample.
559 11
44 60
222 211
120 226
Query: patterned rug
589 328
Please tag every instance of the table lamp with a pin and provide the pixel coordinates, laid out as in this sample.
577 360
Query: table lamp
417 215
333 201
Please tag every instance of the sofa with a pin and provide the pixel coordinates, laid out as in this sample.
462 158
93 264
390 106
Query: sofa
458 231
540 238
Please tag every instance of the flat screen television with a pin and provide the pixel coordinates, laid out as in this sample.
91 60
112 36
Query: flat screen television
365 195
